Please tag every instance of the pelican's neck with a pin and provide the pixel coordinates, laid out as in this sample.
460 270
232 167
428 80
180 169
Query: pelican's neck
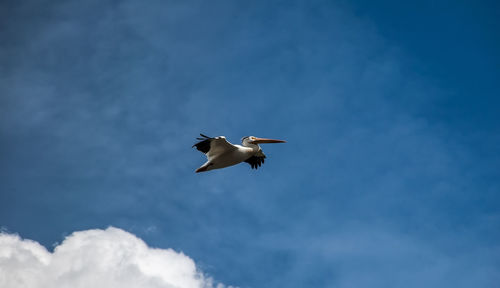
254 147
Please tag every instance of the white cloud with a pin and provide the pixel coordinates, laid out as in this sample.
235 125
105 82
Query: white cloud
96 258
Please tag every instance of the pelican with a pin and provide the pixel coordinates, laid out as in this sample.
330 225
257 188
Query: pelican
221 154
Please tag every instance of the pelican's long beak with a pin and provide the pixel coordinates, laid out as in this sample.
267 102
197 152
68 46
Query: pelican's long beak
265 140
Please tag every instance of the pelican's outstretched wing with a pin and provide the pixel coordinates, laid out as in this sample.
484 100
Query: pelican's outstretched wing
214 146
256 160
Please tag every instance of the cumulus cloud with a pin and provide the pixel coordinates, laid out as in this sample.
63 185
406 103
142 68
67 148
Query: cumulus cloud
96 258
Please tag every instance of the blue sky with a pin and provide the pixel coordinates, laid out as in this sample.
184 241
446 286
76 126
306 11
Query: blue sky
389 178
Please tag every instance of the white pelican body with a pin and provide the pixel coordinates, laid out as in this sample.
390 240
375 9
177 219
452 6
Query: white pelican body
221 154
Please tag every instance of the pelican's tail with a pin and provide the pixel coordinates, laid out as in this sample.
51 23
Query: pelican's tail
203 168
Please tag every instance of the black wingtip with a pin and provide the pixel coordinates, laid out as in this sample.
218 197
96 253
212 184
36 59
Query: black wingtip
203 137
204 144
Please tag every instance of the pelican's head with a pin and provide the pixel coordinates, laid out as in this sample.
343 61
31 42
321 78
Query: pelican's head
252 140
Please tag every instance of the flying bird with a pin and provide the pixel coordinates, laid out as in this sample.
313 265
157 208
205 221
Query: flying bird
221 154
